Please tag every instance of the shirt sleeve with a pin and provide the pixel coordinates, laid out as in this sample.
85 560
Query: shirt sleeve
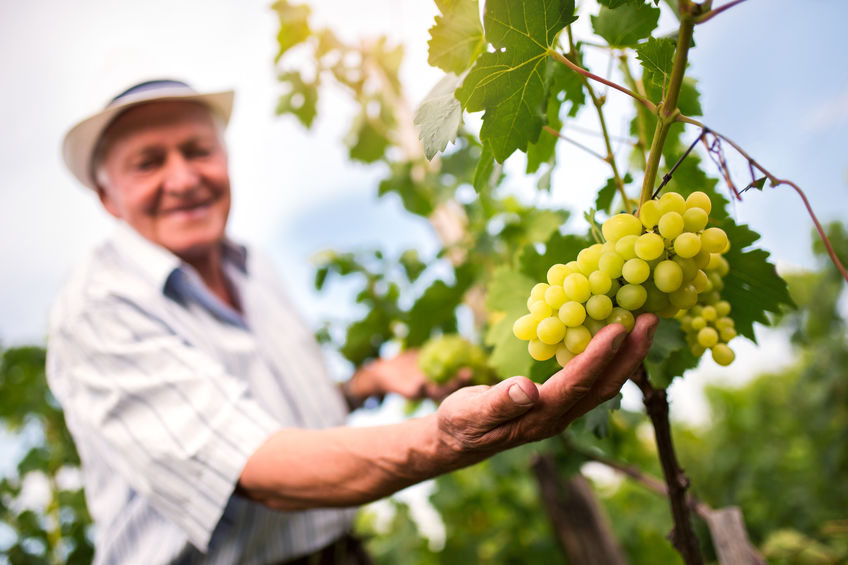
179 428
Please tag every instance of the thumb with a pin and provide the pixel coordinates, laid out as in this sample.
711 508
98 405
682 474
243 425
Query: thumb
509 399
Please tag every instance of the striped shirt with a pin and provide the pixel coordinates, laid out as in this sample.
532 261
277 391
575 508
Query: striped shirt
167 392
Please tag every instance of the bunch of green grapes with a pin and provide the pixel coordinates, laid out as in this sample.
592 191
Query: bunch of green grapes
441 357
655 262
708 324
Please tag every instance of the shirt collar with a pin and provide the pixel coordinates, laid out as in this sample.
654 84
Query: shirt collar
157 264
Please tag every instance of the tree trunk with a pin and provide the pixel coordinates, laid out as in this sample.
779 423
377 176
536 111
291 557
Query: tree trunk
730 538
578 520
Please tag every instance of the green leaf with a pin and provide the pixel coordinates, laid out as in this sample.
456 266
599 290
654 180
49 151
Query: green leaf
436 308
416 197
669 356
412 264
539 225
439 116
626 25
366 141
457 38
484 171
300 98
509 84
613 4
558 249
508 290
596 420
294 25
752 286
657 58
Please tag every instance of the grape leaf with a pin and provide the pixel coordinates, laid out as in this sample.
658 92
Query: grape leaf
439 116
558 249
457 38
596 420
612 4
626 25
366 140
300 99
657 57
509 83
752 286
669 356
507 292
294 25
436 308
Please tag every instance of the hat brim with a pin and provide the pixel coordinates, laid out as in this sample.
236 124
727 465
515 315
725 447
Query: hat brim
81 140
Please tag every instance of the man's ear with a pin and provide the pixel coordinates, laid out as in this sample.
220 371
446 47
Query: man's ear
107 201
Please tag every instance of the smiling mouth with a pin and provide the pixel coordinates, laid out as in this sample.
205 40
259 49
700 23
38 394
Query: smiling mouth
189 211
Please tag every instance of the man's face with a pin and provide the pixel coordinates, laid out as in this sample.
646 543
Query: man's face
163 170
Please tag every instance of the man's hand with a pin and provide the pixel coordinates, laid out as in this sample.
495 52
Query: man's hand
477 421
400 375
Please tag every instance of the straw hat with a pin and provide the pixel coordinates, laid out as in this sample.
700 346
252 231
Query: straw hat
81 140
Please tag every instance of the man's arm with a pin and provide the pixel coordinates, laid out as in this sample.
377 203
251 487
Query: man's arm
298 469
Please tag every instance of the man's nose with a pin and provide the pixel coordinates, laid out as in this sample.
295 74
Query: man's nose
180 176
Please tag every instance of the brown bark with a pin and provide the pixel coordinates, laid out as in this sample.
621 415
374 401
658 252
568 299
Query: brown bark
580 526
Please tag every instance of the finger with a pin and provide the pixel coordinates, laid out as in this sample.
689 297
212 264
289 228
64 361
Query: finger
576 379
507 400
629 357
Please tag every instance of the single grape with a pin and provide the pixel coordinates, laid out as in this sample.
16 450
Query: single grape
649 246
714 240
702 259
722 308
723 322
684 297
695 219
540 310
600 282
551 330
668 276
541 351
593 325
625 246
572 314
670 225
621 316
649 214
556 274
698 323
723 267
701 282
588 258
620 225
610 264
636 271
614 286
687 245
524 328
555 296
563 355
657 300
709 313
700 200
723 355
707 337
577 287
599 307
672 202
726 334
690 269
576 339
697 349
537 293
716 280
631 296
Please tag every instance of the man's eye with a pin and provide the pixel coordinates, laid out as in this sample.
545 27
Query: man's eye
198 152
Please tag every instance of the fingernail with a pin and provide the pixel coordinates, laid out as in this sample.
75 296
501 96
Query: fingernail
618 340
517 394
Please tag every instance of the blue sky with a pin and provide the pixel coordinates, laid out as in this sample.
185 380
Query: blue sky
773 77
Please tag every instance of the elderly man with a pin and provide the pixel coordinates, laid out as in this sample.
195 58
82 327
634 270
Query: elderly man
208 428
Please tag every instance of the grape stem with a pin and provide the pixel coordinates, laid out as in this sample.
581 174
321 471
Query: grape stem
713 13
683 535
776 181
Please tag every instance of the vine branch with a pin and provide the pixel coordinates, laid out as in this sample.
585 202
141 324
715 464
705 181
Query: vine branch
714 12
776 181
683 535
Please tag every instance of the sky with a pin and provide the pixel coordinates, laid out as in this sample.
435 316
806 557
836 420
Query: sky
772 75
